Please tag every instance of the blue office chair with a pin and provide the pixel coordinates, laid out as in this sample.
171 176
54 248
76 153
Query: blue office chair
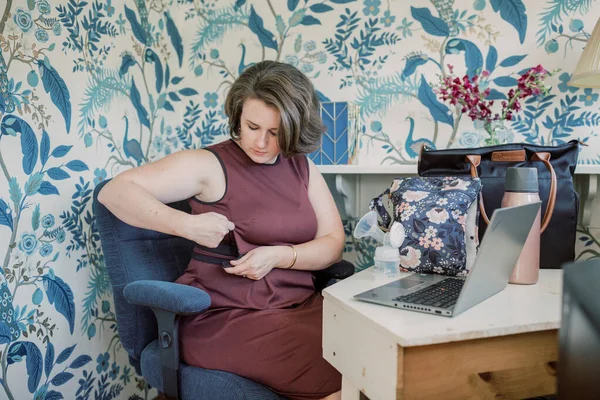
142 265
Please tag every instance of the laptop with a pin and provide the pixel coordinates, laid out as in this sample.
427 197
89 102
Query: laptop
449 296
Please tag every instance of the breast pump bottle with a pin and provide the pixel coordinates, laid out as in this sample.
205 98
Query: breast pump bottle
386 263
521 187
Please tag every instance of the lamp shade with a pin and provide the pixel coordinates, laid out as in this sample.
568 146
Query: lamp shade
587 72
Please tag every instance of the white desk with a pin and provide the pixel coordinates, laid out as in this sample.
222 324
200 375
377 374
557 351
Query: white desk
506 345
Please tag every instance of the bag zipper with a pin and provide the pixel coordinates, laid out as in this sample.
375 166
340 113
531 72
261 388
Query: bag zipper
569 143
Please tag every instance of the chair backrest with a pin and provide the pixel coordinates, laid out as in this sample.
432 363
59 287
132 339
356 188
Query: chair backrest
132 254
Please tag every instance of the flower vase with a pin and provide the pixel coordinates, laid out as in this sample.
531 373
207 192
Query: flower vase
497 133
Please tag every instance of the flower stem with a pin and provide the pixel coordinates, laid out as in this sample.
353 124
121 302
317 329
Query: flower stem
11 243
4 380
5 16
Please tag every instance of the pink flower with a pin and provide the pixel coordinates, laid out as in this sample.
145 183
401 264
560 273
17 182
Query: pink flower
466 95
410 257
437 243
424 241
414 195
401 207
437 215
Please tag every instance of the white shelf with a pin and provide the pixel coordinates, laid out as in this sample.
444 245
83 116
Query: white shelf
348 179
411 169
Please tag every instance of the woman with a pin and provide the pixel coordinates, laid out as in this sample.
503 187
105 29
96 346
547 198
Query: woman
263 218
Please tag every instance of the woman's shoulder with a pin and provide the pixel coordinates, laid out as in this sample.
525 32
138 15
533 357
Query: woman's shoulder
301 163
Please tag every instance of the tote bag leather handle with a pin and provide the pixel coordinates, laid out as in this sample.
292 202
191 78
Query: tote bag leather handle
475 160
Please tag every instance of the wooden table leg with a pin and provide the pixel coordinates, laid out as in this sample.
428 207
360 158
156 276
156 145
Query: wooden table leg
507 367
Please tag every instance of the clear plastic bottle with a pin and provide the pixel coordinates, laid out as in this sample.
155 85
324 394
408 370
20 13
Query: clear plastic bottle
386 262
521 187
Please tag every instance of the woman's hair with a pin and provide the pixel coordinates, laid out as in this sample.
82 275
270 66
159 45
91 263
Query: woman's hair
286 88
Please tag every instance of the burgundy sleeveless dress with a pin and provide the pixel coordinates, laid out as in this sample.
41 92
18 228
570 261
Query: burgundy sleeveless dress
269 330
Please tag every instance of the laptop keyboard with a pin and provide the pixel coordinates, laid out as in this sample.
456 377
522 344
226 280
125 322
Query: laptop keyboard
442 294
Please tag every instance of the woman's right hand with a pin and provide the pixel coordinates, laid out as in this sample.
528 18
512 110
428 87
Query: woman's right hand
208 229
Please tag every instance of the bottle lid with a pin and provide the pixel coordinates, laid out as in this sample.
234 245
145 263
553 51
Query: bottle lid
520 179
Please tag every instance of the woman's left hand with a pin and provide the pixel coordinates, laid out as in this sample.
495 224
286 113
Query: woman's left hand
257 263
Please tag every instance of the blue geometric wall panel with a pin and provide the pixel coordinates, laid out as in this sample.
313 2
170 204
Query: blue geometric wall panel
338 143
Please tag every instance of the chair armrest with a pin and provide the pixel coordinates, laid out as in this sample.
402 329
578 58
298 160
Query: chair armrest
340 270
168 301
168 296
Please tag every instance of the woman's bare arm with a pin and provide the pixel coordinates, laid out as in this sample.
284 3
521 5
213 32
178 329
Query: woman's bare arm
139 196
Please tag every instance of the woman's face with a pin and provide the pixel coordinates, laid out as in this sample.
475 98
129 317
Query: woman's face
258 131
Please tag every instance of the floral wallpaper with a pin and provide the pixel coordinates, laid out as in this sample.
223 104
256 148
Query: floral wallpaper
89 88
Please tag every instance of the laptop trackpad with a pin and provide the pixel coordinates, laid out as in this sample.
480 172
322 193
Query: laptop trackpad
405 283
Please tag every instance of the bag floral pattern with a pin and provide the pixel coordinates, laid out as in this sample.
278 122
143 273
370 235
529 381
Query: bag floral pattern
433 212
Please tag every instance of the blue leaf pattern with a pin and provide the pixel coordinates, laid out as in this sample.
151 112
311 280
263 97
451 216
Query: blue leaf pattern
491 59
505 81
127 61
432 25
61 151
57 88
49 359
33 183
473 57
496 95
47 188
44 148
176 40
53 395
29 144
310 20
15 191
58 173
512 60
33 362
136 28
80 361
61 378
320 8
77 166
440 112
411 66
188 92
265 36
292 4
137 103
65 354
60 295
513 12
6 218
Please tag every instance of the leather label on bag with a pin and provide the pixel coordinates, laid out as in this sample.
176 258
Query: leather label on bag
508 156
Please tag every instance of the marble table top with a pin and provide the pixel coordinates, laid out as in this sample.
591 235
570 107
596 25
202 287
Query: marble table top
516 309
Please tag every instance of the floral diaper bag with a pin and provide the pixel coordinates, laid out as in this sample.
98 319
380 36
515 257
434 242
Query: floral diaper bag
439 216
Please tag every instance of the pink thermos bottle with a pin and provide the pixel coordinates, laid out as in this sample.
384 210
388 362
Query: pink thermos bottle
521 187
